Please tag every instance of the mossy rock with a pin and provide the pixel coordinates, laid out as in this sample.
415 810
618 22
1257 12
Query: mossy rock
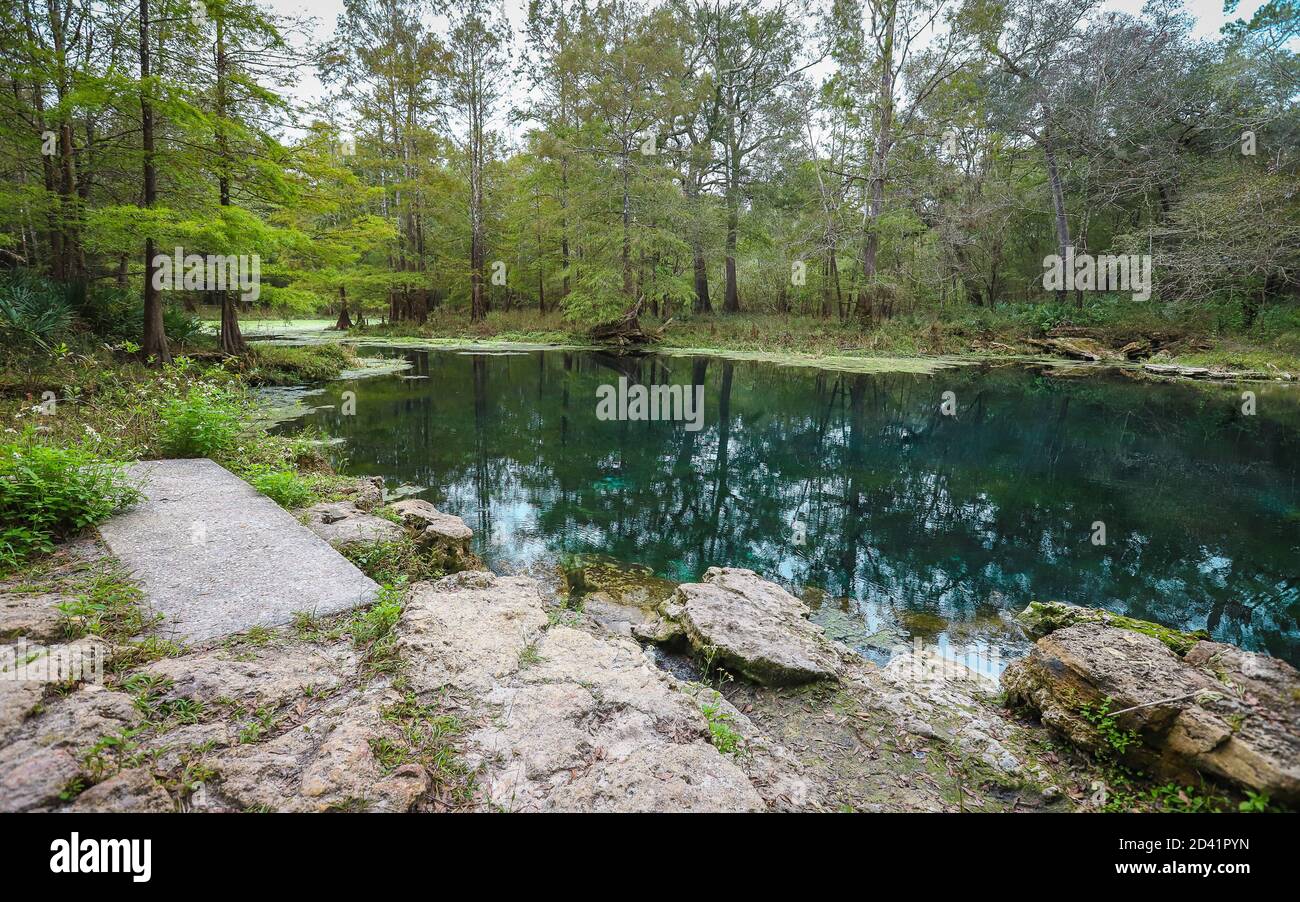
1043 617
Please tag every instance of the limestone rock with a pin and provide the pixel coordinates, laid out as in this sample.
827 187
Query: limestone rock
271 675
593 726
774 772
444 535
468 629
1219 711
32 776
326 763
133 790
80 719
755 628
342 523
566 720
619 619
81 660
366 492
35 617
943 699
17 699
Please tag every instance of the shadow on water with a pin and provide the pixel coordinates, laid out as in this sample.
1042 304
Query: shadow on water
917 524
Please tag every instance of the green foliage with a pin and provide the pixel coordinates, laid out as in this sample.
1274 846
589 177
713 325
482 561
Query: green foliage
109 604
1255 802
393 562
721 733
1115 739
372 631
285 487
33 309
203 423
182 328
47 493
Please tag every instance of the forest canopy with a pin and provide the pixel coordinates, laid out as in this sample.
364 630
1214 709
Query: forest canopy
847 159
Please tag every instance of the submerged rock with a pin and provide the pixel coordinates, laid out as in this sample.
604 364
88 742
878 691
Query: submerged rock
342 523
1042 617
633 585
740 622
1218 711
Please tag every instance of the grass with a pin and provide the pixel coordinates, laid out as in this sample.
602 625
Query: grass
372 632
103 600
529 655
427 737
389 563
268 364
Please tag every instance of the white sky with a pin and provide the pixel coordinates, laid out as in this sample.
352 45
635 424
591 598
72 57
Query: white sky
1208 16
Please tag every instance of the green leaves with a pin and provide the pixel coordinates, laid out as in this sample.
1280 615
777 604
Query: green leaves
48 493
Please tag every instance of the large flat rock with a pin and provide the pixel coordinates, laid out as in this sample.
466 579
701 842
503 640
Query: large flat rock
215 557
753 627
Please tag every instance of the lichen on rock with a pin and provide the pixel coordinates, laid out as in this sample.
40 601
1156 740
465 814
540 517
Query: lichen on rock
1042 617
1217 711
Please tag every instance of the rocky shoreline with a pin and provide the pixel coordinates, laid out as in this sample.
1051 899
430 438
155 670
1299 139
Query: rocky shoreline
482 692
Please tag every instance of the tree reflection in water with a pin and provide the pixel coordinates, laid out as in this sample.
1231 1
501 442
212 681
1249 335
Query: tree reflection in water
917 523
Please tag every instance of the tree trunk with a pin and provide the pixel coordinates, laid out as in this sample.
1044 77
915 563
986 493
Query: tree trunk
154 344
626 253
232 339
1063 242
731 295
478 300
879 162
702 304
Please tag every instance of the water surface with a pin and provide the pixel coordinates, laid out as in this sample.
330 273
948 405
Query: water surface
917 525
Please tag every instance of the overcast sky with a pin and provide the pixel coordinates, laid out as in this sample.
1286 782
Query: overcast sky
1208 15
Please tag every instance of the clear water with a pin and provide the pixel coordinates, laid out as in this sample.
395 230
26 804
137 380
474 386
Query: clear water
918 525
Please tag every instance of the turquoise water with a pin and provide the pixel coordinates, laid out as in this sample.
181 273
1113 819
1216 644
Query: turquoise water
915 524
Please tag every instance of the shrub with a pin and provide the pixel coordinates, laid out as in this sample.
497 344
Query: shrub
47 493
34 309
268 364
285 487
182 328
204 423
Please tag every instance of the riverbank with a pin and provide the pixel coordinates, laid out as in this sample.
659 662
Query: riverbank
1103 332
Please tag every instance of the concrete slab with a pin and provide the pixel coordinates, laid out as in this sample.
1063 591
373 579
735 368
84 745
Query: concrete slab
214 556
